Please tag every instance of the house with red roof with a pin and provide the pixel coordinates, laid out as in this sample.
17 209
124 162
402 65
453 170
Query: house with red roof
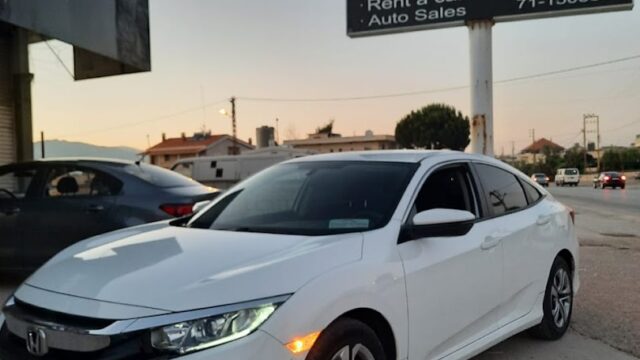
536 151
170 150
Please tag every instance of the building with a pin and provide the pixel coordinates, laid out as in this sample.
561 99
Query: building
536 151
636 144
265 137
329 142
170 150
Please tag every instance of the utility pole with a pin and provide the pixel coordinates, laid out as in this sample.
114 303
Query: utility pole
277 131
584 141
532 134
236 150
42 144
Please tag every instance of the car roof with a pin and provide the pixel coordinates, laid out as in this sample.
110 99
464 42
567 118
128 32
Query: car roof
401 156
68 160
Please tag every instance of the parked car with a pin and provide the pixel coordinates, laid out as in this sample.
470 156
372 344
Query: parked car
46 206
569 177
380 255
541 179
610 179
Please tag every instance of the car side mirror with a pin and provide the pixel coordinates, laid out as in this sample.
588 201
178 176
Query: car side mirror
199 206
438 223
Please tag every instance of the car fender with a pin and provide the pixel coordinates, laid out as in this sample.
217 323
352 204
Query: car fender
376 283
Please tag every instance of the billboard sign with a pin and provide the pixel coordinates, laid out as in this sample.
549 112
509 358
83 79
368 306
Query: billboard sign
375 17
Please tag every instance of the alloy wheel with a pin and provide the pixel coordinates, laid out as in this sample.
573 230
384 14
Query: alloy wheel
357 352
561 298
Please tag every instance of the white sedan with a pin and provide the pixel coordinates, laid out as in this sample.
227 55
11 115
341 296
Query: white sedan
355 256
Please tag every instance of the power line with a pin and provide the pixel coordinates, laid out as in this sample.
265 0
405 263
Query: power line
60 60
157 118
446 89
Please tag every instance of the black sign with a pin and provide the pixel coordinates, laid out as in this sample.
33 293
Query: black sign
373 17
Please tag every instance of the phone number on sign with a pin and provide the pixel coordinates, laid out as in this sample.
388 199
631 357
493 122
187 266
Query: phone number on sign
532 4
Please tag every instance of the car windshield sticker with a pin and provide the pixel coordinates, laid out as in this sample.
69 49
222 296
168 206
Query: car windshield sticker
349 224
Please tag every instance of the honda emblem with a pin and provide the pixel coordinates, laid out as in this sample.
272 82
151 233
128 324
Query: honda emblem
37 342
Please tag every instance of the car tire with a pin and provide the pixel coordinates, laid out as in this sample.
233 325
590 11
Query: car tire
622 187
557 304
347 339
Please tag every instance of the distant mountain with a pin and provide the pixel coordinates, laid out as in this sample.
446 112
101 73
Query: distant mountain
61 148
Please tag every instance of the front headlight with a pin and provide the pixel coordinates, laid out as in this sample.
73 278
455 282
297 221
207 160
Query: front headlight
194 335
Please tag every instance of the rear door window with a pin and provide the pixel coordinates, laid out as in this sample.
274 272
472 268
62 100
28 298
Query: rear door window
533 195
502 190
72 181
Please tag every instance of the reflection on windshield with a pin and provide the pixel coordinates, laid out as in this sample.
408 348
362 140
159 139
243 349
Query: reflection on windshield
312 198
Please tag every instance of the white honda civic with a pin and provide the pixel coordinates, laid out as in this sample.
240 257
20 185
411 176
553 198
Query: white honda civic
355 256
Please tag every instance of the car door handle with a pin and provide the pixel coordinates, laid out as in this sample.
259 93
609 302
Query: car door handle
95 208
543 220
490 242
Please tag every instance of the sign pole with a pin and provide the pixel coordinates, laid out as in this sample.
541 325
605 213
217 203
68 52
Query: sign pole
480 46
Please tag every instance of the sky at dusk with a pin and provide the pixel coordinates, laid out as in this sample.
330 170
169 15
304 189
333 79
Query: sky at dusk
205 51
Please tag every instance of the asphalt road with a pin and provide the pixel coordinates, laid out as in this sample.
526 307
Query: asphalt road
606 319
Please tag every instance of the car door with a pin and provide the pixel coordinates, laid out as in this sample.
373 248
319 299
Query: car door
453 283
75 204
16 184
516 222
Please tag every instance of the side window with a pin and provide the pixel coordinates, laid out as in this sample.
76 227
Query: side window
74 181
504 193
16 182
448 188
532 193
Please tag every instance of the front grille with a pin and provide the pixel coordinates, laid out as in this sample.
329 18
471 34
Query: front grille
120 347
14 348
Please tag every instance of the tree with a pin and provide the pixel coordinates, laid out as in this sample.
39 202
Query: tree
326 129
437 126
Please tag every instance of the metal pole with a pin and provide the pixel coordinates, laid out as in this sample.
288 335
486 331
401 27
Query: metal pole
598 140
584 136
42 144
480 45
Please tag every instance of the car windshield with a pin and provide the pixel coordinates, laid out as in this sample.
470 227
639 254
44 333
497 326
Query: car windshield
571 172
540 175
160 177
312 198
613 174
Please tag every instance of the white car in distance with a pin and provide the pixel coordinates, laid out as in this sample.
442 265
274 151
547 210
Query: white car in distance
367 256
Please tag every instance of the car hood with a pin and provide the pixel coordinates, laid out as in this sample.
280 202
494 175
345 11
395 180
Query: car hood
178 269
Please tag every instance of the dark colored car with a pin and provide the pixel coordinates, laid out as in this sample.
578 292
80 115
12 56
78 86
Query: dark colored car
46 206
610 179
541 179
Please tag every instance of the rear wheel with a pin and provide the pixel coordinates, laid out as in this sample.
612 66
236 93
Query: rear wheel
347 339
558 303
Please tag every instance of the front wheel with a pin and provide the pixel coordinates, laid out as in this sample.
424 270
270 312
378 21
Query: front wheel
347 339
557 304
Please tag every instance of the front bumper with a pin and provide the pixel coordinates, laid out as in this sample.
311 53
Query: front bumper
258 345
